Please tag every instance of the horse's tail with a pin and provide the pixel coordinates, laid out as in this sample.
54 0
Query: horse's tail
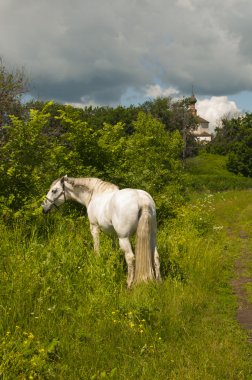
144 250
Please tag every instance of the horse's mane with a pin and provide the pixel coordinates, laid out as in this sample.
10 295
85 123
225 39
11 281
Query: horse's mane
93 184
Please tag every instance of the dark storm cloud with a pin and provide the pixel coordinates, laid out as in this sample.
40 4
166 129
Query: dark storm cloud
96 50
102 87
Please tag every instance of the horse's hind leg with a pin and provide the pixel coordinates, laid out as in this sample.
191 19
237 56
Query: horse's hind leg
157 265
156 255
129 257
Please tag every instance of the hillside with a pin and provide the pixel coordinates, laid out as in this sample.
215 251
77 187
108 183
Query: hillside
208 172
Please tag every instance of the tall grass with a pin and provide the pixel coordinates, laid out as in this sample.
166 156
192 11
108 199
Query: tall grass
67 314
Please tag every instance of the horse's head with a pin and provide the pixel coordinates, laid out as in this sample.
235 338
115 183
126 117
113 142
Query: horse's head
55 196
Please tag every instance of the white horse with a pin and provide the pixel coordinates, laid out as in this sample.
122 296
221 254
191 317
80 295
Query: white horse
122 212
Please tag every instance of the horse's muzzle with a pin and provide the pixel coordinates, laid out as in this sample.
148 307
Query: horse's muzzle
45 210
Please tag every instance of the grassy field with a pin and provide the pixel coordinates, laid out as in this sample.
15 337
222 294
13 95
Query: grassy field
66 314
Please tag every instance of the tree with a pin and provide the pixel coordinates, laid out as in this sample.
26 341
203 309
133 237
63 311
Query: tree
13 84
161 109
234 139
175 115
23 152
151 155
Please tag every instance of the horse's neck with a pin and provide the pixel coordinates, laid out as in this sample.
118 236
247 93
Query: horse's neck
81 196
82 189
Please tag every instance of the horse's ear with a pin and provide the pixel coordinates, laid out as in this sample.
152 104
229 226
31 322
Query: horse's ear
63 179
68 180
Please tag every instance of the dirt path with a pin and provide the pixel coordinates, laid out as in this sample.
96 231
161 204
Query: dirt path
244 311
234 212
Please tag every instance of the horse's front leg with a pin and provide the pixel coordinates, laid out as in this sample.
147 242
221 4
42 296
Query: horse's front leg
129 257
95 231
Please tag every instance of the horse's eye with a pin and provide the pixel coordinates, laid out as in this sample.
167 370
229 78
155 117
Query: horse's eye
54 191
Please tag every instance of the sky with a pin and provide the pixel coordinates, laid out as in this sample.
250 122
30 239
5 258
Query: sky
97 52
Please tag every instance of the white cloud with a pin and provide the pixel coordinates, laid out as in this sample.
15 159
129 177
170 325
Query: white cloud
215 108
156 91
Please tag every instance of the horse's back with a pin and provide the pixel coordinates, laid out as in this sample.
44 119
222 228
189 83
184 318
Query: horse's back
131 199
125 207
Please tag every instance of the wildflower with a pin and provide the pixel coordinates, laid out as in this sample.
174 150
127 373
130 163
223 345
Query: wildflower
141 331
151 349
217 228
131 325
113 312
30 336
41 350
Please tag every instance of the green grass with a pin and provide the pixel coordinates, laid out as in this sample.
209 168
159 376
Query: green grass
207 163
67 314
208 172
234 210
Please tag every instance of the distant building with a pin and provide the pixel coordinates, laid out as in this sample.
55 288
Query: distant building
201 133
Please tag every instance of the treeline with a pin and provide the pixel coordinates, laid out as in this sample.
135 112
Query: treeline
138 146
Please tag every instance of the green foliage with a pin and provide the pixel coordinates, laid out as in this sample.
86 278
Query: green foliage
23 157
112 141
80 142
152 155
235 140
161 109
34 155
